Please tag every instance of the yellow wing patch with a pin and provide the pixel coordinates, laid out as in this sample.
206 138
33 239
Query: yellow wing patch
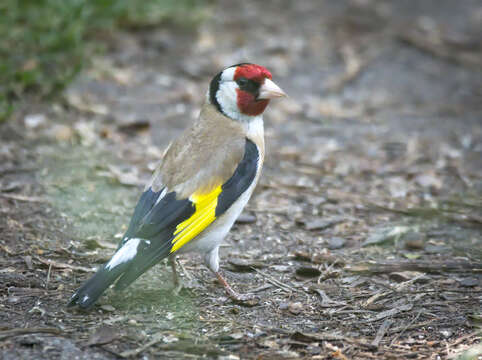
203 216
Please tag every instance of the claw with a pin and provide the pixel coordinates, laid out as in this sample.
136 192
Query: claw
242 299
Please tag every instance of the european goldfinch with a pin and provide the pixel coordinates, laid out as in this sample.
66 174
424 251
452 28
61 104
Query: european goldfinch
200 187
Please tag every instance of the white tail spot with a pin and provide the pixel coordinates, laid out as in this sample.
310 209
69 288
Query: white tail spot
125 253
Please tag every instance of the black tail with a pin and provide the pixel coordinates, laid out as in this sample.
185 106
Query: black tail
127 264
88 293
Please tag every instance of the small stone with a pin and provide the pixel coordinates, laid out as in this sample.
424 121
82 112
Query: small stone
302 256
436 249
336 243
469 281
284 306
446 333
414 240
429 180
132 322
322 224
237 335
242 265
308 272
281 268
108 308
63 132
401 276
228 357
33 121
295 308
383 235
246 218
13 299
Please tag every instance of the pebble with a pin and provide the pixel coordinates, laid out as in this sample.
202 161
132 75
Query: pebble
446 333
295 308
33 121
336 243
246 218
108 308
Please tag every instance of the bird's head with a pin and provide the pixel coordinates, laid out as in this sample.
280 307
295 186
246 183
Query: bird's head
243 91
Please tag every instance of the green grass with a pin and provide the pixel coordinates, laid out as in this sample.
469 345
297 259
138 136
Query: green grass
45 43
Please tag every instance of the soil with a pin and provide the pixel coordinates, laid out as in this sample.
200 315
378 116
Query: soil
363 239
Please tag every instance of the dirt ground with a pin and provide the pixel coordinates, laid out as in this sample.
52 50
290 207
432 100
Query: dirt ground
363 239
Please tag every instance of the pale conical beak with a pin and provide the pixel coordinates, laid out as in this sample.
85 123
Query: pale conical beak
269 90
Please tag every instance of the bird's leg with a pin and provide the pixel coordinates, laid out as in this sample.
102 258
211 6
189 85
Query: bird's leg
211 260
175 276
231 293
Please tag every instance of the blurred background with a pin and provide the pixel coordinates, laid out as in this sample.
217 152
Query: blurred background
376 156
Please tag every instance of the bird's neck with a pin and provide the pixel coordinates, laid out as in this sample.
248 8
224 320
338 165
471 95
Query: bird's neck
254 127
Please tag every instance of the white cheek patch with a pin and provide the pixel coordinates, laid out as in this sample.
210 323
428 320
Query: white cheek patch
228 74
227 98
125 253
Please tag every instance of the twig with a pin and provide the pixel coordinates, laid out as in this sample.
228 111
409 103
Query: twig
325 299
405 328
454 216
23 331
155 339
61 265
373 267
397 288
424 41
48 277
382 331
8 170
261 288
326 272
275 282
23 197
390 312
183 269
465 337
354 65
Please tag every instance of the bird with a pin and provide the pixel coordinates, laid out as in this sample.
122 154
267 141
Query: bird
201 185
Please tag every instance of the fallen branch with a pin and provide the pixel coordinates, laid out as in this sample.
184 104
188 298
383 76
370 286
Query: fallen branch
326 336
155 339
373 267
60 265
22 197
390 312
382 331
24 331
275 282
434 44
453 216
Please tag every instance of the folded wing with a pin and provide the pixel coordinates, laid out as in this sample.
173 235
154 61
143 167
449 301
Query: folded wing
171 223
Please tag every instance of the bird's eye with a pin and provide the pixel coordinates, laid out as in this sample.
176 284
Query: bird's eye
242 81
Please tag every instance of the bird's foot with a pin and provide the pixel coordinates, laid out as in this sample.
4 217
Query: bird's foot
178 286
242 299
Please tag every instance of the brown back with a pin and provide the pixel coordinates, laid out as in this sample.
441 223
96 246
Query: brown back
203 157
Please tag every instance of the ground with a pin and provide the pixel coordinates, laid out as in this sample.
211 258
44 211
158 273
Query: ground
362 240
